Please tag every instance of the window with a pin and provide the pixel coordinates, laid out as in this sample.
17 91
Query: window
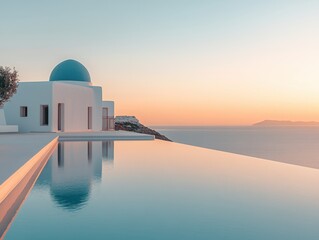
44 115
23 111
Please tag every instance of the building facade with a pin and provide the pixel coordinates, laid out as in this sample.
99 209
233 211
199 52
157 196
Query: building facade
68 102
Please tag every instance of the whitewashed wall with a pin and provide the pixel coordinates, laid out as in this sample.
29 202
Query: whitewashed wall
32 95
110 106
76 99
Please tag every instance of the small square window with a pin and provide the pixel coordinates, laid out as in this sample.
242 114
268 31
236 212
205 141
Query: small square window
23 111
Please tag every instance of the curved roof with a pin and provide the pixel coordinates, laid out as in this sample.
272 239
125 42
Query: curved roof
70 70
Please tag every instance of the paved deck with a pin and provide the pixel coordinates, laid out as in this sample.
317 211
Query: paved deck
16 149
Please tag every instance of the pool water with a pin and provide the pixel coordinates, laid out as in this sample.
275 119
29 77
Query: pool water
163 190
298 145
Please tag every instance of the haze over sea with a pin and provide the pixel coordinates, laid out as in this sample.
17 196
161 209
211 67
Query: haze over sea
297 145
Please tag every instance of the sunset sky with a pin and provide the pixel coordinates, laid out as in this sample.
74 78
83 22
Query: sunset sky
177 62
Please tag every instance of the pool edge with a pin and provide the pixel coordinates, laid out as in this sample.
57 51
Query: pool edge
16 188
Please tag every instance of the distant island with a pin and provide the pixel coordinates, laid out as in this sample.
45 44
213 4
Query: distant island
285 123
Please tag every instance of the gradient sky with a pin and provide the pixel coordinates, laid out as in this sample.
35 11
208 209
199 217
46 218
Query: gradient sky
177 62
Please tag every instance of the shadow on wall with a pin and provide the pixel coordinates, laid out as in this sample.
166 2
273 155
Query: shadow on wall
71 170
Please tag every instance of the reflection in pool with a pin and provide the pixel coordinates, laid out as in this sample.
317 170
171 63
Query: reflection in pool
72 168
163 190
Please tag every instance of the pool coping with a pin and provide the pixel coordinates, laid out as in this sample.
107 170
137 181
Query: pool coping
15 189
103 135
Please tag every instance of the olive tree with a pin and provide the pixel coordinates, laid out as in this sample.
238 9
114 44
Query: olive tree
8 84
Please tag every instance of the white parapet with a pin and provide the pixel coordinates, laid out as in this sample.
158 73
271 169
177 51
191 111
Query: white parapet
9 128
4 128
2 117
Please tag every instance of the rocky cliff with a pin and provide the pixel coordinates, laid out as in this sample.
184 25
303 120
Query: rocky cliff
131 123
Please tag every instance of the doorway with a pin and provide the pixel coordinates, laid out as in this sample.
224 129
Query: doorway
89 117
44 115
61 117
105 115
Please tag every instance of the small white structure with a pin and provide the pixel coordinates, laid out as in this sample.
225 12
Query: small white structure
4 128
67 102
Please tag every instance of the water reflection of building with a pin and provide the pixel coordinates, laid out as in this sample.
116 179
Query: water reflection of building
71 170
108 152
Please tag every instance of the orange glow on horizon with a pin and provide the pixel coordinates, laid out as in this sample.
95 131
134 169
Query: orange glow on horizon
152 113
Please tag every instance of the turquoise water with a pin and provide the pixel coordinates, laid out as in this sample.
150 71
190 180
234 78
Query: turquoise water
163 190
295 145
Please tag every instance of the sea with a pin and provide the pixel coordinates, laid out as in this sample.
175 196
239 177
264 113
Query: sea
298 145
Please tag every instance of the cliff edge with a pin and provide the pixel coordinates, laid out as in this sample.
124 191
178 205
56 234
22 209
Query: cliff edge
132 124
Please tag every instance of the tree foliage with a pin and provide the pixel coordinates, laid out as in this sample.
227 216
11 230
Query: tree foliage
8 84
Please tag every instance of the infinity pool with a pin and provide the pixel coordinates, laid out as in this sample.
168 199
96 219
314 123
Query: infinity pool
163 190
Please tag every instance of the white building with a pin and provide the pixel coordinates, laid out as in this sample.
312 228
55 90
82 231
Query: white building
67 102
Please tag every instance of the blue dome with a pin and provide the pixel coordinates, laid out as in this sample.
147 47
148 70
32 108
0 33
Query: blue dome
70 70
